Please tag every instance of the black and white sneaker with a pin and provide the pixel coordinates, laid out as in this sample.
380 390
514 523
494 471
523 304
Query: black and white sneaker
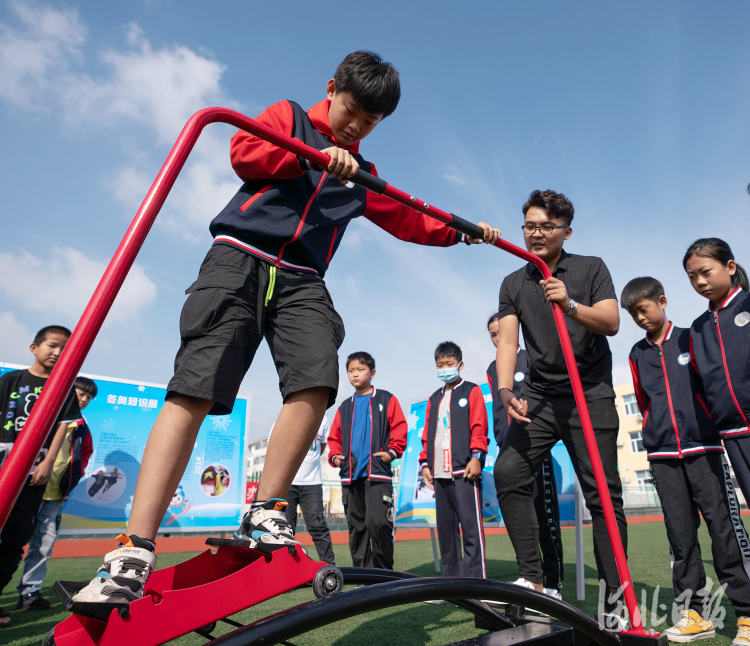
121 578
266 524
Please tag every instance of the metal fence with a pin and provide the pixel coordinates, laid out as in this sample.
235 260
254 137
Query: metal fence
640 496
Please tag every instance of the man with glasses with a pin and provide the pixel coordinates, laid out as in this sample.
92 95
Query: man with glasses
546 411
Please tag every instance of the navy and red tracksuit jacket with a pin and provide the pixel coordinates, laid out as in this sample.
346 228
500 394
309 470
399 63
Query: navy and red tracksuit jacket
468 427
500 417
293 216
676 422
720 353
387 433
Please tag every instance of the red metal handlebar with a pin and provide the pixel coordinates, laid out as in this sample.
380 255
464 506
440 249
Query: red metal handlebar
21 459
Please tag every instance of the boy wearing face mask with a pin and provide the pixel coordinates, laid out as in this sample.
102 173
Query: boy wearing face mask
454 445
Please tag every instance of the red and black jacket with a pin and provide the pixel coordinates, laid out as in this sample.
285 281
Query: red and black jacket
676 422
387 433
468 422
720 352
293 216
500 418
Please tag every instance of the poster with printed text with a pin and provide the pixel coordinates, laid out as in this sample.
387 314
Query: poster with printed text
416 502
211 494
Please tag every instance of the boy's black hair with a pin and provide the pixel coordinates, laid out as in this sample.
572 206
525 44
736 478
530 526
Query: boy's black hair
720 251
86 385
641 288
374 84
492 319
555 204
448 349
41 336
363 357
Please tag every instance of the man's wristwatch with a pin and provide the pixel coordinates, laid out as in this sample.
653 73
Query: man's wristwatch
572 309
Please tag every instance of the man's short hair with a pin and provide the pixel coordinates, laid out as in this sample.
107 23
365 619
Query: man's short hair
555 204
86 385
41 336
448 349
364 358
492 319
374 84
639 289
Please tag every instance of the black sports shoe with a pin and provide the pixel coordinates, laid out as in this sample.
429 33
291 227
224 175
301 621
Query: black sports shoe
267 524
32 601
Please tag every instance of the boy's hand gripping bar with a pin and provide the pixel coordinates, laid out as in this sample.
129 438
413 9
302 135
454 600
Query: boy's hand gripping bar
21 459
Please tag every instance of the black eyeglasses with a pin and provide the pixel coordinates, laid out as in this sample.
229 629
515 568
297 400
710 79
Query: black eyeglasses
544 229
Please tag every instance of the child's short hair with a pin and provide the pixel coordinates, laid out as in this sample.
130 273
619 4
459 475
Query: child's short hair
86 385
364 358
41 336
448 349
641 288
555 204
492 319
374 85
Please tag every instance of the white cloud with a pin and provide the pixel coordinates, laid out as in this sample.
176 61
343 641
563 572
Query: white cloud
456 178
15 339
152 92
63 281
159 88
33 56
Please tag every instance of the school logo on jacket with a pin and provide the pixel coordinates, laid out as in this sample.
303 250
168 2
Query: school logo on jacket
742 319
462 402
381 407
518 376
684 359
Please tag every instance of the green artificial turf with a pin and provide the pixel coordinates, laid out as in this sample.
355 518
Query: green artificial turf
404 625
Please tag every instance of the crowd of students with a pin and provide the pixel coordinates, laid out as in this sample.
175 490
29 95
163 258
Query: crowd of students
263 278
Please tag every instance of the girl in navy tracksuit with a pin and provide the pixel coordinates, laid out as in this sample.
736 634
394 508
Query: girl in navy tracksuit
686 458
720 346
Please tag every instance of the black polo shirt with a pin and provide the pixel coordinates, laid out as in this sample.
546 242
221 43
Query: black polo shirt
588 282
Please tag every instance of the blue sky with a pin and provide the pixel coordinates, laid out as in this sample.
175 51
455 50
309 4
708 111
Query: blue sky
637 111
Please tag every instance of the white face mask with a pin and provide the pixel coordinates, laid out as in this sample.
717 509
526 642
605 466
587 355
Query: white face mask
448 375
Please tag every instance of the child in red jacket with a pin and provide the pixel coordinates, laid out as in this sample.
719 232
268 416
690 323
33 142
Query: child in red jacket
454 445
368 432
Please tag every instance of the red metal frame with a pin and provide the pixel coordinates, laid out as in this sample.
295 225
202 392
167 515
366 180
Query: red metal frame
192 594
17 466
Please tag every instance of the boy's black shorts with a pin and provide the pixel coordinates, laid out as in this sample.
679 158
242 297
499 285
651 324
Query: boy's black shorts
226 317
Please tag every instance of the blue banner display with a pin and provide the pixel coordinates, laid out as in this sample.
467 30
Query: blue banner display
415 503
211 494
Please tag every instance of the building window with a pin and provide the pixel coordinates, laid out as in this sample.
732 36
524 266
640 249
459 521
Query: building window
644 478
631 405
636 442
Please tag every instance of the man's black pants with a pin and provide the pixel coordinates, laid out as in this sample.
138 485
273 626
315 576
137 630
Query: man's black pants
524 449
310 499
704 479
18 530
369 513
547 511
460 501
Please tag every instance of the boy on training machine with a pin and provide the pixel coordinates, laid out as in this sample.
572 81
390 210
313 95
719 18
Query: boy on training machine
263 277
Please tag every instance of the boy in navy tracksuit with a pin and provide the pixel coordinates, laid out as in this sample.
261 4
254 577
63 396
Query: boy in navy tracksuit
545 487
263 278
454 446
686 457
367 434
